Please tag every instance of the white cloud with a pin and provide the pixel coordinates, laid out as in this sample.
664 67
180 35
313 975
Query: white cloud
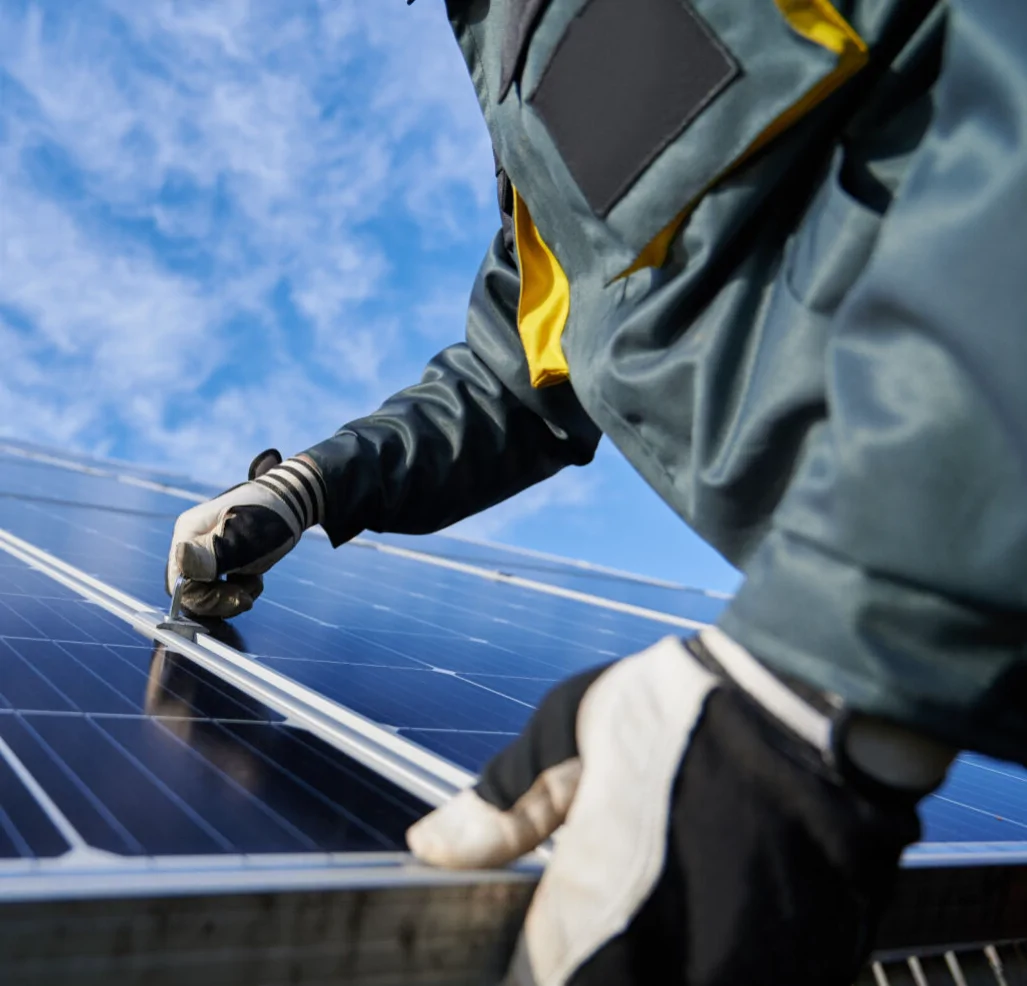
216 223
570 488
207 154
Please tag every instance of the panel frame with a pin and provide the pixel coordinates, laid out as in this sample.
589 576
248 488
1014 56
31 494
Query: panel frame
363 924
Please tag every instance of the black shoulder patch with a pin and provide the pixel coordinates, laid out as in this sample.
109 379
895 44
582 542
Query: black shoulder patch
522 15
625 80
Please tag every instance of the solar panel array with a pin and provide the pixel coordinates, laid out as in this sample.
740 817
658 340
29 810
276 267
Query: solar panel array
446 643
139 751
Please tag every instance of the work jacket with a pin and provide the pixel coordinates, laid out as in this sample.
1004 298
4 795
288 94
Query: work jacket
775 250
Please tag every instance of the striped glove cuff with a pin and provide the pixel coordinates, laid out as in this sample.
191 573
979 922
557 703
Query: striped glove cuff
300 484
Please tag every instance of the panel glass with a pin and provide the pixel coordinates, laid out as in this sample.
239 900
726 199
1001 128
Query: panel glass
471 750
28 452
981 801
25 829
144 752
695 604
452 661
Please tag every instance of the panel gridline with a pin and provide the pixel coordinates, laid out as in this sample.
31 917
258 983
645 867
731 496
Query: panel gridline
450 660
693 604
146 753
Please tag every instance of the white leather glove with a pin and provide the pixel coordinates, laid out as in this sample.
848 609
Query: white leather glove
224 546
707 838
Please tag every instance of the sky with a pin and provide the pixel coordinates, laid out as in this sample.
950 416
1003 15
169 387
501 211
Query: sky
235 225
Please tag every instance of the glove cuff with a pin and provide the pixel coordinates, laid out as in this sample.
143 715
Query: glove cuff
299 483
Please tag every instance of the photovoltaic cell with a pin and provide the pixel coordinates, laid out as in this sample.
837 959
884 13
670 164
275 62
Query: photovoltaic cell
409 698
694 604
25 829
32 454
450 660
469 749
982 801
141 786
146 753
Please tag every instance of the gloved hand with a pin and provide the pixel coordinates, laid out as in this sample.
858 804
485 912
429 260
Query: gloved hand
241 533
705 839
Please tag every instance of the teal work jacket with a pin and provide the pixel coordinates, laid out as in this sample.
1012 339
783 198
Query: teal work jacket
775 250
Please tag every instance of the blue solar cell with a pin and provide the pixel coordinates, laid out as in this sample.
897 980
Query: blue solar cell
469 750
693 604
405 697
145 752
981 801
25 829
474 654
134 785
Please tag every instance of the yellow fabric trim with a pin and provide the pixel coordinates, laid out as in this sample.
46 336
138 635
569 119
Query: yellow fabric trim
544 303
819 22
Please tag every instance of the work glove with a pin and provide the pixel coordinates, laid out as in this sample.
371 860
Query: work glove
708 837
224 546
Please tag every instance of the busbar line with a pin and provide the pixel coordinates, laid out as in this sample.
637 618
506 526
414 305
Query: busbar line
586 566
410 766
490 575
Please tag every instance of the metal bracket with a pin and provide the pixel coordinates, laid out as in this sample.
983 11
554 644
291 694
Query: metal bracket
176 622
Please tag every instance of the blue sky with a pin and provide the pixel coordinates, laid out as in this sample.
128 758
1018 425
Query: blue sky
230 225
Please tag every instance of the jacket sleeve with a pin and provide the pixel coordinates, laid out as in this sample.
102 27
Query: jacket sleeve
473 432
895 572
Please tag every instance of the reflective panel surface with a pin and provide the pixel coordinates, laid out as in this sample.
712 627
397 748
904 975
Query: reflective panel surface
450 660
142 752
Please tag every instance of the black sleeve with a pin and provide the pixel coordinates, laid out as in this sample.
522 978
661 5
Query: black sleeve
472 432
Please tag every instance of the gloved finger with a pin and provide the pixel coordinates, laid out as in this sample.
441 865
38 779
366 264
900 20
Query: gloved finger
249 527
523 795
222 599
247 538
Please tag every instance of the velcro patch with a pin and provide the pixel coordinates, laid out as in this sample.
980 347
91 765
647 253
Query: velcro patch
625 80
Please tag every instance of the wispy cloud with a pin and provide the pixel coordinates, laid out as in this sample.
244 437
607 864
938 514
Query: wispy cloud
570 488
231 225
218 220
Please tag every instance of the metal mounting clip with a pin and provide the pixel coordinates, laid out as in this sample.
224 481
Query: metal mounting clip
176 622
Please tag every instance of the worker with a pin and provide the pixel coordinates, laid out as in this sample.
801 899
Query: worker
775 250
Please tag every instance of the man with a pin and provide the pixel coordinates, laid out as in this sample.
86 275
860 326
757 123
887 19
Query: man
774 250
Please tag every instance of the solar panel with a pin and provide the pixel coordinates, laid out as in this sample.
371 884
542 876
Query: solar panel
367 683
445 657
143 752
30 453
696 604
